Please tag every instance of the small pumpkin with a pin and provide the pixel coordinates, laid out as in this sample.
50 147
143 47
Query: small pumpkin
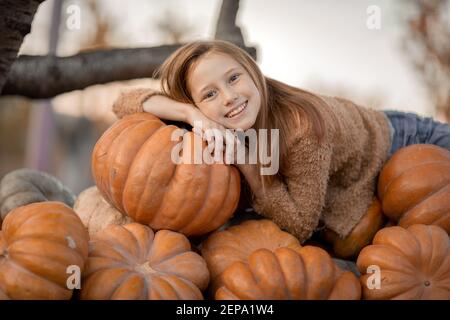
306 273
361 236
237 243
134 171
38 243
24 186
95 213
414 263
132 262
414 186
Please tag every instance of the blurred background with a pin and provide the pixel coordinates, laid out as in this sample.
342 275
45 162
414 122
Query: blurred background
381 54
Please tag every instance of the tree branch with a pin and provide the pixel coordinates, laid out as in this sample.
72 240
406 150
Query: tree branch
52 75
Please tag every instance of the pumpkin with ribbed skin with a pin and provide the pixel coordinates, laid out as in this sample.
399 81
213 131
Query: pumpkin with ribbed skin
414 186
24 186
414 263
361 235
259 249
223 248
38 243
132 262
134 171
306 273
95 213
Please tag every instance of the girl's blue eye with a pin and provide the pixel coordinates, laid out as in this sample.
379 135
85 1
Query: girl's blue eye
234 77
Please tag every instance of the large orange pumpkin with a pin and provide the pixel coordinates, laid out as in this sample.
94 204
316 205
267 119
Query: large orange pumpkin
306 273
361 235
38 244
131 262
228 253
236 243
132 167
414 263
414 186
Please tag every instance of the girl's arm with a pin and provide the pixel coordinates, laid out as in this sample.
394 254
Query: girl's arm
166 108
154 102
163 107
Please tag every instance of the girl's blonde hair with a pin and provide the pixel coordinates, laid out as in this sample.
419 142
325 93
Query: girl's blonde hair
283 107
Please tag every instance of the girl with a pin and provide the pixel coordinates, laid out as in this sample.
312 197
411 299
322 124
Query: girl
331 150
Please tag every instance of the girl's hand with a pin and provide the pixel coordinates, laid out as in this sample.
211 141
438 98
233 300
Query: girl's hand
212 132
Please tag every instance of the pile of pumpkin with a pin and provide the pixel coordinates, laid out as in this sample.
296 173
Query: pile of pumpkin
152 229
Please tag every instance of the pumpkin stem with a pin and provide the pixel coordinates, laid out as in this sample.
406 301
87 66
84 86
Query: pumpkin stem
145 268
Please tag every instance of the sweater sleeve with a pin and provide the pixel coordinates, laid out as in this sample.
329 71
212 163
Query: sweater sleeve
296 203
132 101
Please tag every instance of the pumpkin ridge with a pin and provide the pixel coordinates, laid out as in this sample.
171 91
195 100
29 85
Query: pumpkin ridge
128 258
110 160
237 248
136 241
417 296
56 239
225 196
441 274
106 162
47 238
194 213
173 253
397 291
98 162
393 178
122 281
149 135
429 261
427 196
6 226
187 282
200 211
148 281
285 285
403 255
227 201
63 265
438 220
138 210
168 186
176 273
25 270
162 277
119 282
118 265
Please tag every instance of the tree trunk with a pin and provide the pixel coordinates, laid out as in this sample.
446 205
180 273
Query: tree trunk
15 23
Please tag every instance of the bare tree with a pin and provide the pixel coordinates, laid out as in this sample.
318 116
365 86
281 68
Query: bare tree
428 44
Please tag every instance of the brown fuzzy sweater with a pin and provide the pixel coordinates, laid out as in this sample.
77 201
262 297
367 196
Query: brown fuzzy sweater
333 182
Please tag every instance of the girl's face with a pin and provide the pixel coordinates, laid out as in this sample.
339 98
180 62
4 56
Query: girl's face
224 91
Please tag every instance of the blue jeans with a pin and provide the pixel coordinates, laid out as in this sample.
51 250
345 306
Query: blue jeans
409 128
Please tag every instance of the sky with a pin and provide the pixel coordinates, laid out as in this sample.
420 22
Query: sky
316 45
